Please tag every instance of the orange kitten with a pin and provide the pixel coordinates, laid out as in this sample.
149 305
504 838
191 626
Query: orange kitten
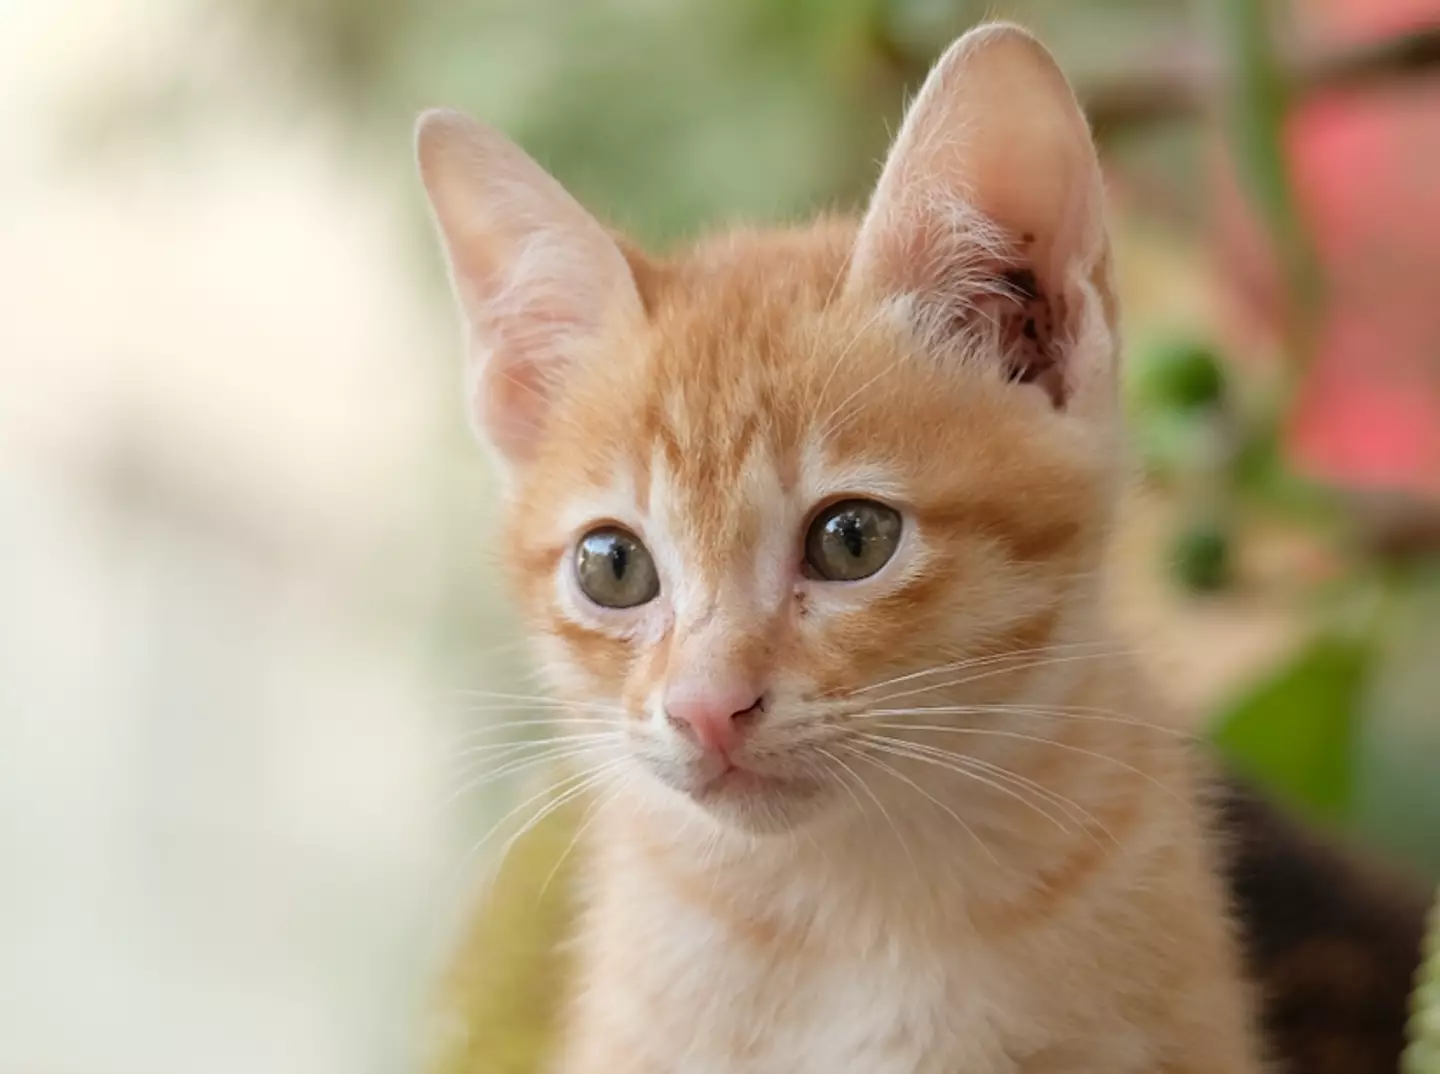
818 515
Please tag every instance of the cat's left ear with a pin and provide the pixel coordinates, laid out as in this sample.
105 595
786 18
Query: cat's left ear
989 212
539 278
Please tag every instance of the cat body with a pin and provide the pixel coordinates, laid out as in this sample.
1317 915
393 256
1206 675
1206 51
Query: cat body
808 527
835 956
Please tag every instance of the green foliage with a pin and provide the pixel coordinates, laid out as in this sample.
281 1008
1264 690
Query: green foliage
1175 391
1297 729
1180 375
1423 1055
1202 557
1398 805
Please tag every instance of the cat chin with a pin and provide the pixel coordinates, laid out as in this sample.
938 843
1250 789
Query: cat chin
751 802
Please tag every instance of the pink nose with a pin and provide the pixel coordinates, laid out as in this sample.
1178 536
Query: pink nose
716 714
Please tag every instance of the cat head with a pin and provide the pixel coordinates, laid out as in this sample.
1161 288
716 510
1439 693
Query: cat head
757 491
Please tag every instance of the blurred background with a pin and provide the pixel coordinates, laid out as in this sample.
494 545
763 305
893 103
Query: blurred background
246 566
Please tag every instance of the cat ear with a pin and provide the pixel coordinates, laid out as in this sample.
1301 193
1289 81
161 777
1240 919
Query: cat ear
991 206
536 275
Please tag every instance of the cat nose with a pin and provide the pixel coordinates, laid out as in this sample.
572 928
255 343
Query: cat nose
716 715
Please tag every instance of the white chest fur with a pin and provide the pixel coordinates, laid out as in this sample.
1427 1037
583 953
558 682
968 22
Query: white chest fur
888 1012
800 990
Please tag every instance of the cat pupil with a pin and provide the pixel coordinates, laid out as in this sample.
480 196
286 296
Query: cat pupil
852 540
619 559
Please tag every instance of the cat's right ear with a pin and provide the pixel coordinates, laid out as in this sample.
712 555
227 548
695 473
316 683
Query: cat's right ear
537 277
992 190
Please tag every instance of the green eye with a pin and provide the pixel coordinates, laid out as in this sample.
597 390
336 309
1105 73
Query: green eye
614 569
852 540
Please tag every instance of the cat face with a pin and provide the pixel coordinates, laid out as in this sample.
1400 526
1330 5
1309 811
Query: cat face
761 492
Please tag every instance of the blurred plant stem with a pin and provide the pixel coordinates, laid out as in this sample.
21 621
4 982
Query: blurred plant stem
1257 96
1169 92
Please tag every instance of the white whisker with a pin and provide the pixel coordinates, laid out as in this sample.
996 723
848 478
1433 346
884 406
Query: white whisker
880 806
942 759
1070 808
537 721
1080 713
592 778
983 660
996 732
591 815
839 361
539 699
551 788
922 791
492 750
510 768
1030 665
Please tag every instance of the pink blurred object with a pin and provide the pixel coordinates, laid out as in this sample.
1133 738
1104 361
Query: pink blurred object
1366 167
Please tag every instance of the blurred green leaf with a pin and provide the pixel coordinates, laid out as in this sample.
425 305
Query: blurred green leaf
1202 557
1423 1055
1179 374
1168 442
1397 804
1296 731
506 988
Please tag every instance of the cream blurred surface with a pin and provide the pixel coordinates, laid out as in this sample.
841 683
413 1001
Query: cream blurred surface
221 827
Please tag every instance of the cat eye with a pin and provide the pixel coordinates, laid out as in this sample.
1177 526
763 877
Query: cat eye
614 568
851 540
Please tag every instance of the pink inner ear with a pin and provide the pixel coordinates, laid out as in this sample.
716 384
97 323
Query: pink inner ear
1031 339
536 274
510 405
972 277
990 205
528 351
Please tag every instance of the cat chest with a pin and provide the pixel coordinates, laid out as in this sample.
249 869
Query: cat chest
727 1003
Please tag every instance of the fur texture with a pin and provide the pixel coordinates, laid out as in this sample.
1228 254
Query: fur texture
956 834
1332 940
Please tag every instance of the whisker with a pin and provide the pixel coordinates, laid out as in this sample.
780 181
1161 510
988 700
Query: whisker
591 815
942 759
840 361
1029 665
1081 713
535 721
880 806
539 699
510 768
822 776
1068 806
526 804
921 790
592 778
996 732
493 748
859 808
469 709
976 661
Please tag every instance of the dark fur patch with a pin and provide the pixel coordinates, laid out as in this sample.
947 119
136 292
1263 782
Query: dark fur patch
1333 944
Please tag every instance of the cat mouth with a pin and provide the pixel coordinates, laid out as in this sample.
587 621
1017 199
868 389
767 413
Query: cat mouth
733 778
738 780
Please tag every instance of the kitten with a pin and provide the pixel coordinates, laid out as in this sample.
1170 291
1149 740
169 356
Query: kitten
807 526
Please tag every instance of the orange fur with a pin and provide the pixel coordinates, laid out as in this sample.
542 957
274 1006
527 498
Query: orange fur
963 838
